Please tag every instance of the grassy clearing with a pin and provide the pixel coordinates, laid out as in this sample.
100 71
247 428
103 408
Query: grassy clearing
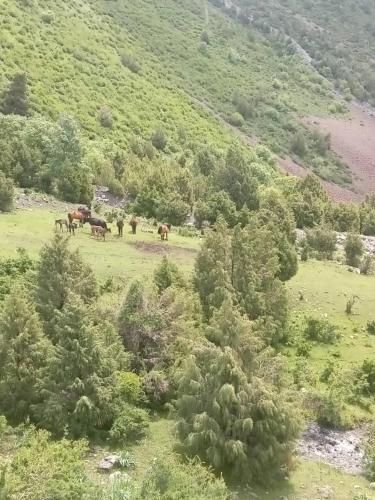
326 287
125 257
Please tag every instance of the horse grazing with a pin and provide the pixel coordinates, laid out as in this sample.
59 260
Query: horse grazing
133 224
61 223
120 226
164 231
85 211
99 231
95 222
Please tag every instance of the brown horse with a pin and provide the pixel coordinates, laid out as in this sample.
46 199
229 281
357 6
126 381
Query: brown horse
164 231
134 224
99 231
77 215
120 226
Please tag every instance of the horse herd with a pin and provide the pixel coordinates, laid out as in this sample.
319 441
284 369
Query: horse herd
99 227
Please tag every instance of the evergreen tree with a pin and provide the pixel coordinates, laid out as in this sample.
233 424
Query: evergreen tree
212 277
238 426
166 275
15 100
141 325
23 353
60 271
353 250
76 388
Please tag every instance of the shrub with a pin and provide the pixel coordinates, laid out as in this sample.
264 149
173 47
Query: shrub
43 469
129 62
15 99
330 411
115 187
236 119
353 250
130 425
371 327
6 193
3 426
320 330
128 387
350 304
298 145
166 275
159 139
105 117
322 242
367 265
156 387
368 370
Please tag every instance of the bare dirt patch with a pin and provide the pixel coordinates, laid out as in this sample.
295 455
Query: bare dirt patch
336 192
340 449
163 249
353 139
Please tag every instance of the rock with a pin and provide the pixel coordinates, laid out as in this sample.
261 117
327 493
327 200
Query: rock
118 475
109 462
372 486
356 487
325 491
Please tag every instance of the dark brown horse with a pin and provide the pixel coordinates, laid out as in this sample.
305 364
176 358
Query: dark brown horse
120 226
93 221
134 224
164 231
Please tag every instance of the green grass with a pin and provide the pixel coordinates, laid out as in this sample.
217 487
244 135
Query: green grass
125 257
326 287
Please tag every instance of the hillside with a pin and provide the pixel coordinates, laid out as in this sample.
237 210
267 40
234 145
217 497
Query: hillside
336 36
185 67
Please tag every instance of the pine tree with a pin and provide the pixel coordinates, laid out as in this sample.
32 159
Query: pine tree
76 387
239 426
59 272
15 99
23 353
212 277
141 325
166 275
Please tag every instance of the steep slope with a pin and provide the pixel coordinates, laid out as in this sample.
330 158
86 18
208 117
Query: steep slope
181 54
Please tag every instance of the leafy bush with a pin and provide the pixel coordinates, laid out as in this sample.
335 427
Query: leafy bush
298 145
130 424
322 242
166 275
3 427
371 327
353 250
367 265
159 139
320 330
128 387
42 468
156 387
105 117
368 370
129 62
6 193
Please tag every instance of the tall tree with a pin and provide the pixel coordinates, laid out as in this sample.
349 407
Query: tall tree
240 426
76 388
59 272
15 99
24 351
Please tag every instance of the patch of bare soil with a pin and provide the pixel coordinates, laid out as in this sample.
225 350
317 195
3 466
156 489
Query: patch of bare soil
353 139
163 248
340 449
336 192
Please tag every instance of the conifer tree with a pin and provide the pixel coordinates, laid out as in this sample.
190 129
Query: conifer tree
239 426
141 323
15 99
76 387
212 277
59 272
23 353
166 275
